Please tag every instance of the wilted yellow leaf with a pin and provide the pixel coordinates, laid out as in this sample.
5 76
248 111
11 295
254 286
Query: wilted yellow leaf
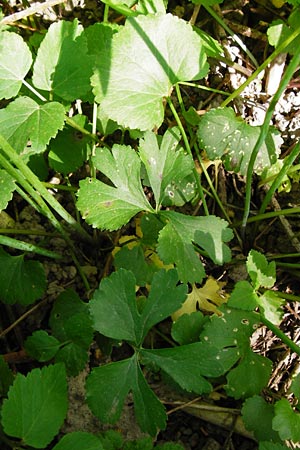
206 299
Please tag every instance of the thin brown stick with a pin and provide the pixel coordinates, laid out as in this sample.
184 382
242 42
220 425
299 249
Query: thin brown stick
38 7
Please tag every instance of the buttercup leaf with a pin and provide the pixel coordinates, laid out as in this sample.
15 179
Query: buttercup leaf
227 137
286 421
24 119
77 440
148 56
13 69
261 272
108 207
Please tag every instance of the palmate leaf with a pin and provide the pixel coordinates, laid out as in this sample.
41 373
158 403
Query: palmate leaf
175 243
148 56
227 137
261 272
21 281
36 406
286 421
63 65
166 164
15 62
116 380
24 119
116 299
109 207
258 416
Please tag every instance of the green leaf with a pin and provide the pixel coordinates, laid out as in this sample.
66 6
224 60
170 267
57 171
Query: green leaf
114 380
260 271
151 225
109 207
166 164
36 406
271 307
62 64
99 40
165 297
257 416
149 411
188 327
187 365
115 299
175 243
243 296
279 31
6 377
151 7
21 281
67 305
225 136
254 367
271 446
15 62
295 386
41 346
286 421
69 149
78 440
7 187
159 50
72 325
133 259
230 333
24 119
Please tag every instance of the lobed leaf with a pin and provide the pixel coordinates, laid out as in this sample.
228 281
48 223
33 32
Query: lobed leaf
41 395
166 164
41 346
257 416
175 243
261 272
286 421
148 56
15 62
109 207
24 119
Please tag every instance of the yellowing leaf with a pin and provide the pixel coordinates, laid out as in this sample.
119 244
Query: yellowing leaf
208 299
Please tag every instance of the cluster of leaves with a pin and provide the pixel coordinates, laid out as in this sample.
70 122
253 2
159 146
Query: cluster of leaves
140 63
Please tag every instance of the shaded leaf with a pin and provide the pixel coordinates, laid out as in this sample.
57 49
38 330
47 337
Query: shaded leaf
24 119
6 377
62 64
41 346
188 327
21 281
257 416
159 50
225 136
261 272
243 296
254 367
41 394
286 421
15 62
77 440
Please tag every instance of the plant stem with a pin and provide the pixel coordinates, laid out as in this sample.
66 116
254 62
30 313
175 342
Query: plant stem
264 131
231 33
284 338
26 247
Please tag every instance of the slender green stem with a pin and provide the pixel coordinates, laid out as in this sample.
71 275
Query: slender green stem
82 130
288 161
270 215
105 14
231 33
264 131
204 88
41 192
26 247
34 91
284 338
188 149
280 49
